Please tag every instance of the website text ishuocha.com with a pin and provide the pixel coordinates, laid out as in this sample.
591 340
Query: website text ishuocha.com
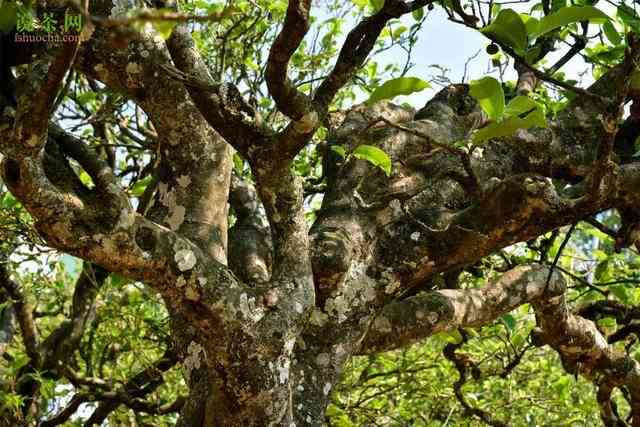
47 38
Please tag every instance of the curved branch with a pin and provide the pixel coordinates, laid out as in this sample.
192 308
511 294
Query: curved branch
289 100
359 43
220 104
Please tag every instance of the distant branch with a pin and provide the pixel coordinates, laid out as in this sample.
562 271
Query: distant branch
24 313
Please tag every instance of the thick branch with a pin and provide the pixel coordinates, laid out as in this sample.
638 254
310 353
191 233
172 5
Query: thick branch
33 110
195 163
220 104
404 322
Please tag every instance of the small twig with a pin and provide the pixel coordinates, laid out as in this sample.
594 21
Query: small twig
600 226
560 249
461 154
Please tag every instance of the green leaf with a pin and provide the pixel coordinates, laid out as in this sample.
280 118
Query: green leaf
602 270
376 4
138 188
509 126
164 28
621 292
509 321
8 201
395 87
520 105
509 29
489 94
118 280
530 23
339 149
238 163
612 34
418 14
375 156
533 54
628 16
453 337
86 179
570 15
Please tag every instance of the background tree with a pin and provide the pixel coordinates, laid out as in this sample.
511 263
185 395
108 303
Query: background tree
240 236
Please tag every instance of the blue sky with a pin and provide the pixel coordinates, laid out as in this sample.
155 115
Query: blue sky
450 45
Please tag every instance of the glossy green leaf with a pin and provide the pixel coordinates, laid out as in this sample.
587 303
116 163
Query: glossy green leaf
508 28
395 87
375 156
509 321
628 16
138 188
489 94
519 105
530 23
611 33
509 126
418 14
339 149
569 15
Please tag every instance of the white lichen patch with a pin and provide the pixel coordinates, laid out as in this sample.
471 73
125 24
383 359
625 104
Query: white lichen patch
249 308
339 351
181 282
192 293
101 70
127 219
382 324
393 284
318 318
133 68
323 360
184 181
433 317
307 123
358 290
176 217
186 259
195 353
283 370
326 389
